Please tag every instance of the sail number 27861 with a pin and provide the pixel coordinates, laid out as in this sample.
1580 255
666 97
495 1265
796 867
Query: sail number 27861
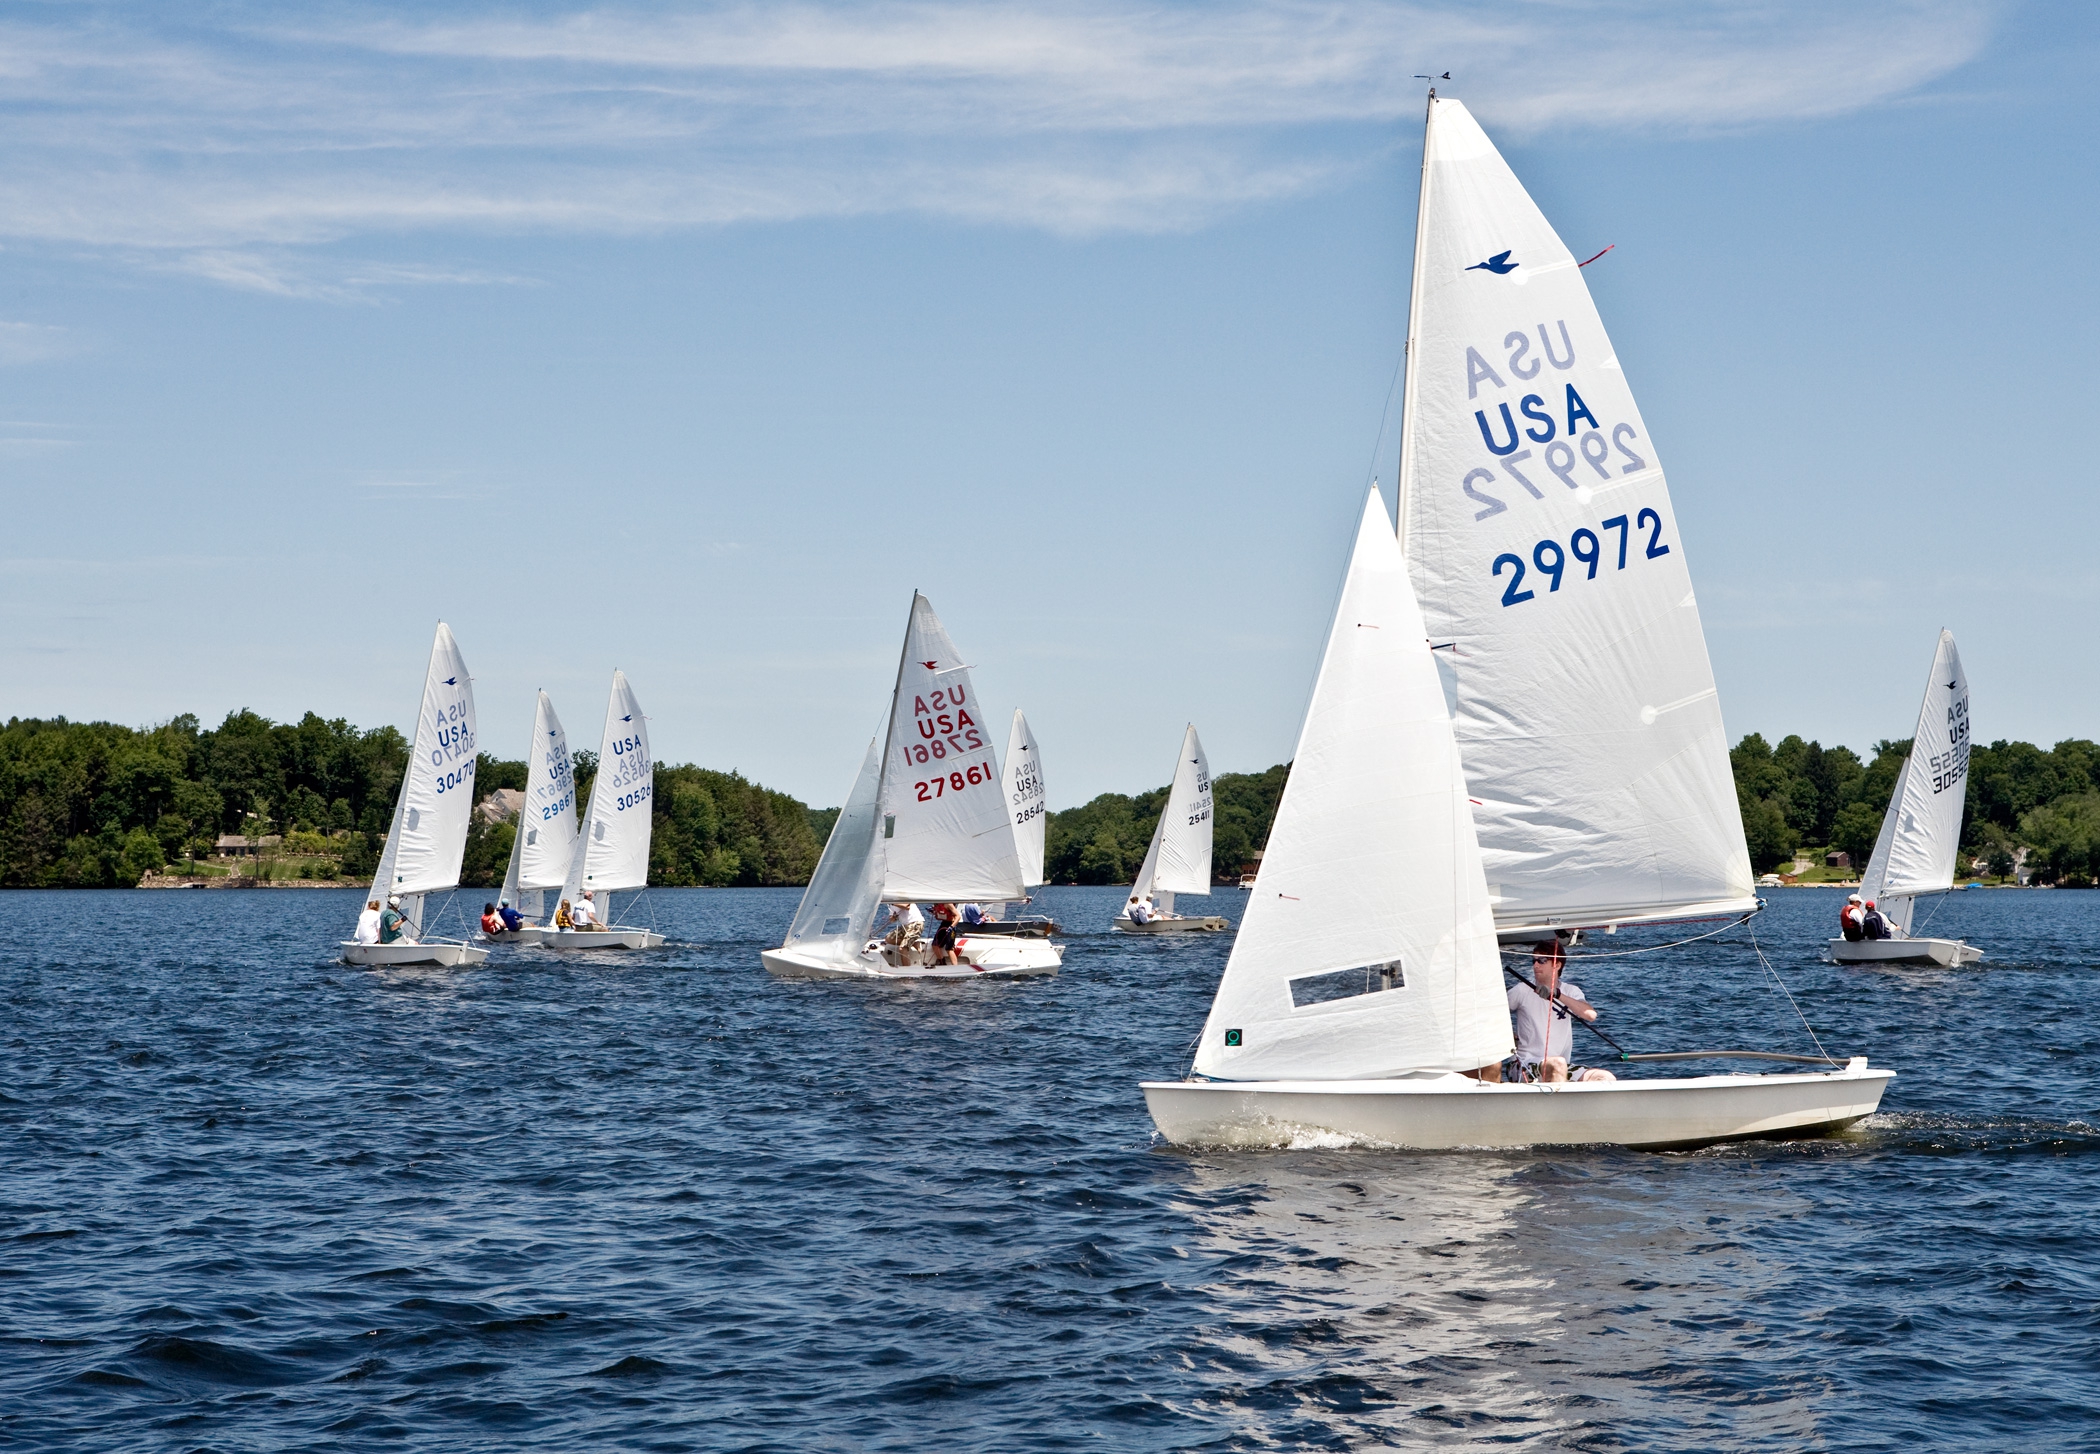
956 781
1588 549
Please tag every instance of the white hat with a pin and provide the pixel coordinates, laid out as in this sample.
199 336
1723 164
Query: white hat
1853 900
393 898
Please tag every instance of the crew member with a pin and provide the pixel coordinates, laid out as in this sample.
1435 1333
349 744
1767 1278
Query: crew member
512 919
1140 910
1876 924
1852 919
390 922
1545 1033
583 914
368 924
491 921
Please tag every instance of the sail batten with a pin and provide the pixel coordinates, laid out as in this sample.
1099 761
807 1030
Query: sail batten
1539 534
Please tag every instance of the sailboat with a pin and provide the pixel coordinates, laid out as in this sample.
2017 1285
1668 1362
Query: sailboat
428 835
925 823
613 852
1921 833
546 837
1178 860
1027 808
1366 977
1536 615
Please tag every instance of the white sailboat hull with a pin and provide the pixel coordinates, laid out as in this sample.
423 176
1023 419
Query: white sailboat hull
1948 953
612 938
1187 924
526 935
1445 1112
439 952
988 957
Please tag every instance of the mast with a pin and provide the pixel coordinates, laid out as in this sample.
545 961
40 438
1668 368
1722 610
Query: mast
1406 475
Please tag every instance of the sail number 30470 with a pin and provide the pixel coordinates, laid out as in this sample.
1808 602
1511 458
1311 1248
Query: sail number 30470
1586 547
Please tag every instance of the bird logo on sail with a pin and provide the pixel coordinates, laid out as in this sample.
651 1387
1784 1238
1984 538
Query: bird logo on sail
929 665
1498 264
628 718
451 681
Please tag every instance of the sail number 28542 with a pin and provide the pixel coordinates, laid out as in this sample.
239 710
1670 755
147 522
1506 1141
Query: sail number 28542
1587 548
956 781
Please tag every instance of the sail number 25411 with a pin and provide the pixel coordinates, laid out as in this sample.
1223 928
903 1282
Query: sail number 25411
1587 548
956 781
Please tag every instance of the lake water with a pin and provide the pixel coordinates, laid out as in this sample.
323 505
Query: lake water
256 1200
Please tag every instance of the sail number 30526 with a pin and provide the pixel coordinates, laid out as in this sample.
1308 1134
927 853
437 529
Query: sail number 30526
955 782
1586 547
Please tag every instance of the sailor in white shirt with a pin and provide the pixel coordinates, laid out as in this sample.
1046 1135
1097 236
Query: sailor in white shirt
582 914
1139 910
1545 1032
368 924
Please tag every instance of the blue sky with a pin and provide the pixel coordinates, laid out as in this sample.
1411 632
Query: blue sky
691 340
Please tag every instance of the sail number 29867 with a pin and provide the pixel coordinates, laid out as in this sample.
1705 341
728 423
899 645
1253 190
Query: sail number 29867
1586 547
956 781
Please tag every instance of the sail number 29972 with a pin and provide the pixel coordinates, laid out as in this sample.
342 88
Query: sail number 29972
1586 547
956 781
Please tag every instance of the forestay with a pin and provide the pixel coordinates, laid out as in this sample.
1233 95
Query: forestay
428 836
1921 833
1178 859
1539 534
1026 799
945 831
1367 947
839 905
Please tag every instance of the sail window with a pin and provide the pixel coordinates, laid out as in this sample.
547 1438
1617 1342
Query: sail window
1346 984
840 925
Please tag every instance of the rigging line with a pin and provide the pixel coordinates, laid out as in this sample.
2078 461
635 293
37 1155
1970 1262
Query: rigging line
1385 414
1788 993
1523 949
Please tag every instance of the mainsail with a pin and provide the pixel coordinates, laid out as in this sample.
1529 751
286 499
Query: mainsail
614 851
839 905
428 836
546 841
1541 542
1026 798
1178 859
1367 946
1921 833
945 833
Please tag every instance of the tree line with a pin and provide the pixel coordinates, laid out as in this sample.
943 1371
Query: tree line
2021 803
96 805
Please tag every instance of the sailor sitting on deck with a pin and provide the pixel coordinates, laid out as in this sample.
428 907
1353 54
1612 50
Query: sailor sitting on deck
583 914
491 921
512 919
1876 925
562 918
390 922
368 924
1545 1034
972 915
1852 919
1140 910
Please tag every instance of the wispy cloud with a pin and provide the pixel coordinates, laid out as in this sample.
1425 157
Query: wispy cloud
226 146
22 343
